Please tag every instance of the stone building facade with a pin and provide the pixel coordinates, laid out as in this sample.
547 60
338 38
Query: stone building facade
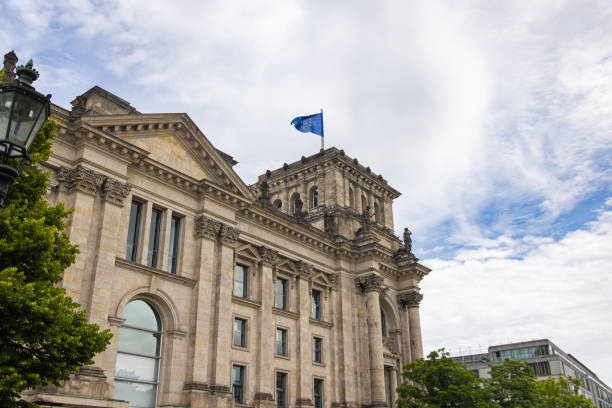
291 292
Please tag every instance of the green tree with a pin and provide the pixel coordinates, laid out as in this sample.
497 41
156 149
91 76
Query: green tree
512 385
43 335
439 381
561 393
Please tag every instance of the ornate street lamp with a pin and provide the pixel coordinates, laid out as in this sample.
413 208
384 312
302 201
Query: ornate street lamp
23 111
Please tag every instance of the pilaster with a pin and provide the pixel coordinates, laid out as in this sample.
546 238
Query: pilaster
304 397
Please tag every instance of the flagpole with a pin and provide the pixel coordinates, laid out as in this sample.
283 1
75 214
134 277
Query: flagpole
322 132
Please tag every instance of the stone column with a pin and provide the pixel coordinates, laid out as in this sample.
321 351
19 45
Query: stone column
411 301
223 321
393 378
372 286
344 347
197 381
266 336
403 301
304 397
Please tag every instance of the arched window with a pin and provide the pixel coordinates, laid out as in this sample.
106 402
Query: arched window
383 323
138 355
294 198
351 198
314 197
364 203
377 213
278 204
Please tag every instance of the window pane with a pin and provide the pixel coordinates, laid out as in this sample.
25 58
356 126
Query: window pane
281 339
239 332
281 285
139 395
316 349
281 387
238 383
240 283
316 304
154 238
136 368
138 313
138 341
132 238
175 226
318 393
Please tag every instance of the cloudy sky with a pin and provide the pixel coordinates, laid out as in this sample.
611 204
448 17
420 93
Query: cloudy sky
493 118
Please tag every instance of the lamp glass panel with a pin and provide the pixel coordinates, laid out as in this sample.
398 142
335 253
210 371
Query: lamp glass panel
25 116
6 103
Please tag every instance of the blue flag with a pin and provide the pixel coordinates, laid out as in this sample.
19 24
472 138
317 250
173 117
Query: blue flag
312 124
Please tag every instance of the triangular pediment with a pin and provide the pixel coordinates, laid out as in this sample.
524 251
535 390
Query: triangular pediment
321 279
173 141
287 266
248 251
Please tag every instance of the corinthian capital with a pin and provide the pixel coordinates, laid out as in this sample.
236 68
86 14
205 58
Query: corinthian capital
370 283
305 270
410 300
207 228
80 178
115 191
229 235
268 256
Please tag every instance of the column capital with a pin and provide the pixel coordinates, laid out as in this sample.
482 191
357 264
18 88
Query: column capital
207 228
115 191
370 283
268 256
229 235
304 270
80 178
410 299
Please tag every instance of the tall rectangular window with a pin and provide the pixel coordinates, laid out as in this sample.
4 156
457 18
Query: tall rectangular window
281 293
281 342
240 281
239 332
316 304
154 238
281 390
175 227
318 393
134 225
238 383
317 354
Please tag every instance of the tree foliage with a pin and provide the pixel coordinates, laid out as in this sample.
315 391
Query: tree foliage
440 382
43 335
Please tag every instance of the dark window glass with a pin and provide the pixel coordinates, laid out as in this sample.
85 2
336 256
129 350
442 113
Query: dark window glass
175 227
383 323
315 197
240 281
239 332
317 355
133 227
281 390
318 392
139 351
154 238
281 293
278 204
238 383
281 342
316 304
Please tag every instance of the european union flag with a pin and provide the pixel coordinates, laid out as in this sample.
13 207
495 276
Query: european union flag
312 123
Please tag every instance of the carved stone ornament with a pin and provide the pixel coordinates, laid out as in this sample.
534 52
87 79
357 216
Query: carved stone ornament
207 228
304 270
370 283
410 300
333 280
78 107
80 178
229 235
268 256
390 345
10 61
264 192
115 191
408 240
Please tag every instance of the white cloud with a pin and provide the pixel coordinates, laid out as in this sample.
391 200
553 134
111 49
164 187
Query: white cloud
558 290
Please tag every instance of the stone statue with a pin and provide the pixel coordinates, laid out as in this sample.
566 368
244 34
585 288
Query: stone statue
264 191
407 240
10 61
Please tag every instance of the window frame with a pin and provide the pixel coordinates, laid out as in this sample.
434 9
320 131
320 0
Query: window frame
316 308
321 381
245 324
155 235
285 286
285 388
245 283
135 241
314 196
174 243
242 382
315 340
285 342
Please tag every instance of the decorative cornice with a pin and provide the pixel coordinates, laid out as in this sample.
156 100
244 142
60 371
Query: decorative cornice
410 300
268 256
370 283
304 270
80 178
115 191
229 235
246 302
286 313
321 323
207 228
